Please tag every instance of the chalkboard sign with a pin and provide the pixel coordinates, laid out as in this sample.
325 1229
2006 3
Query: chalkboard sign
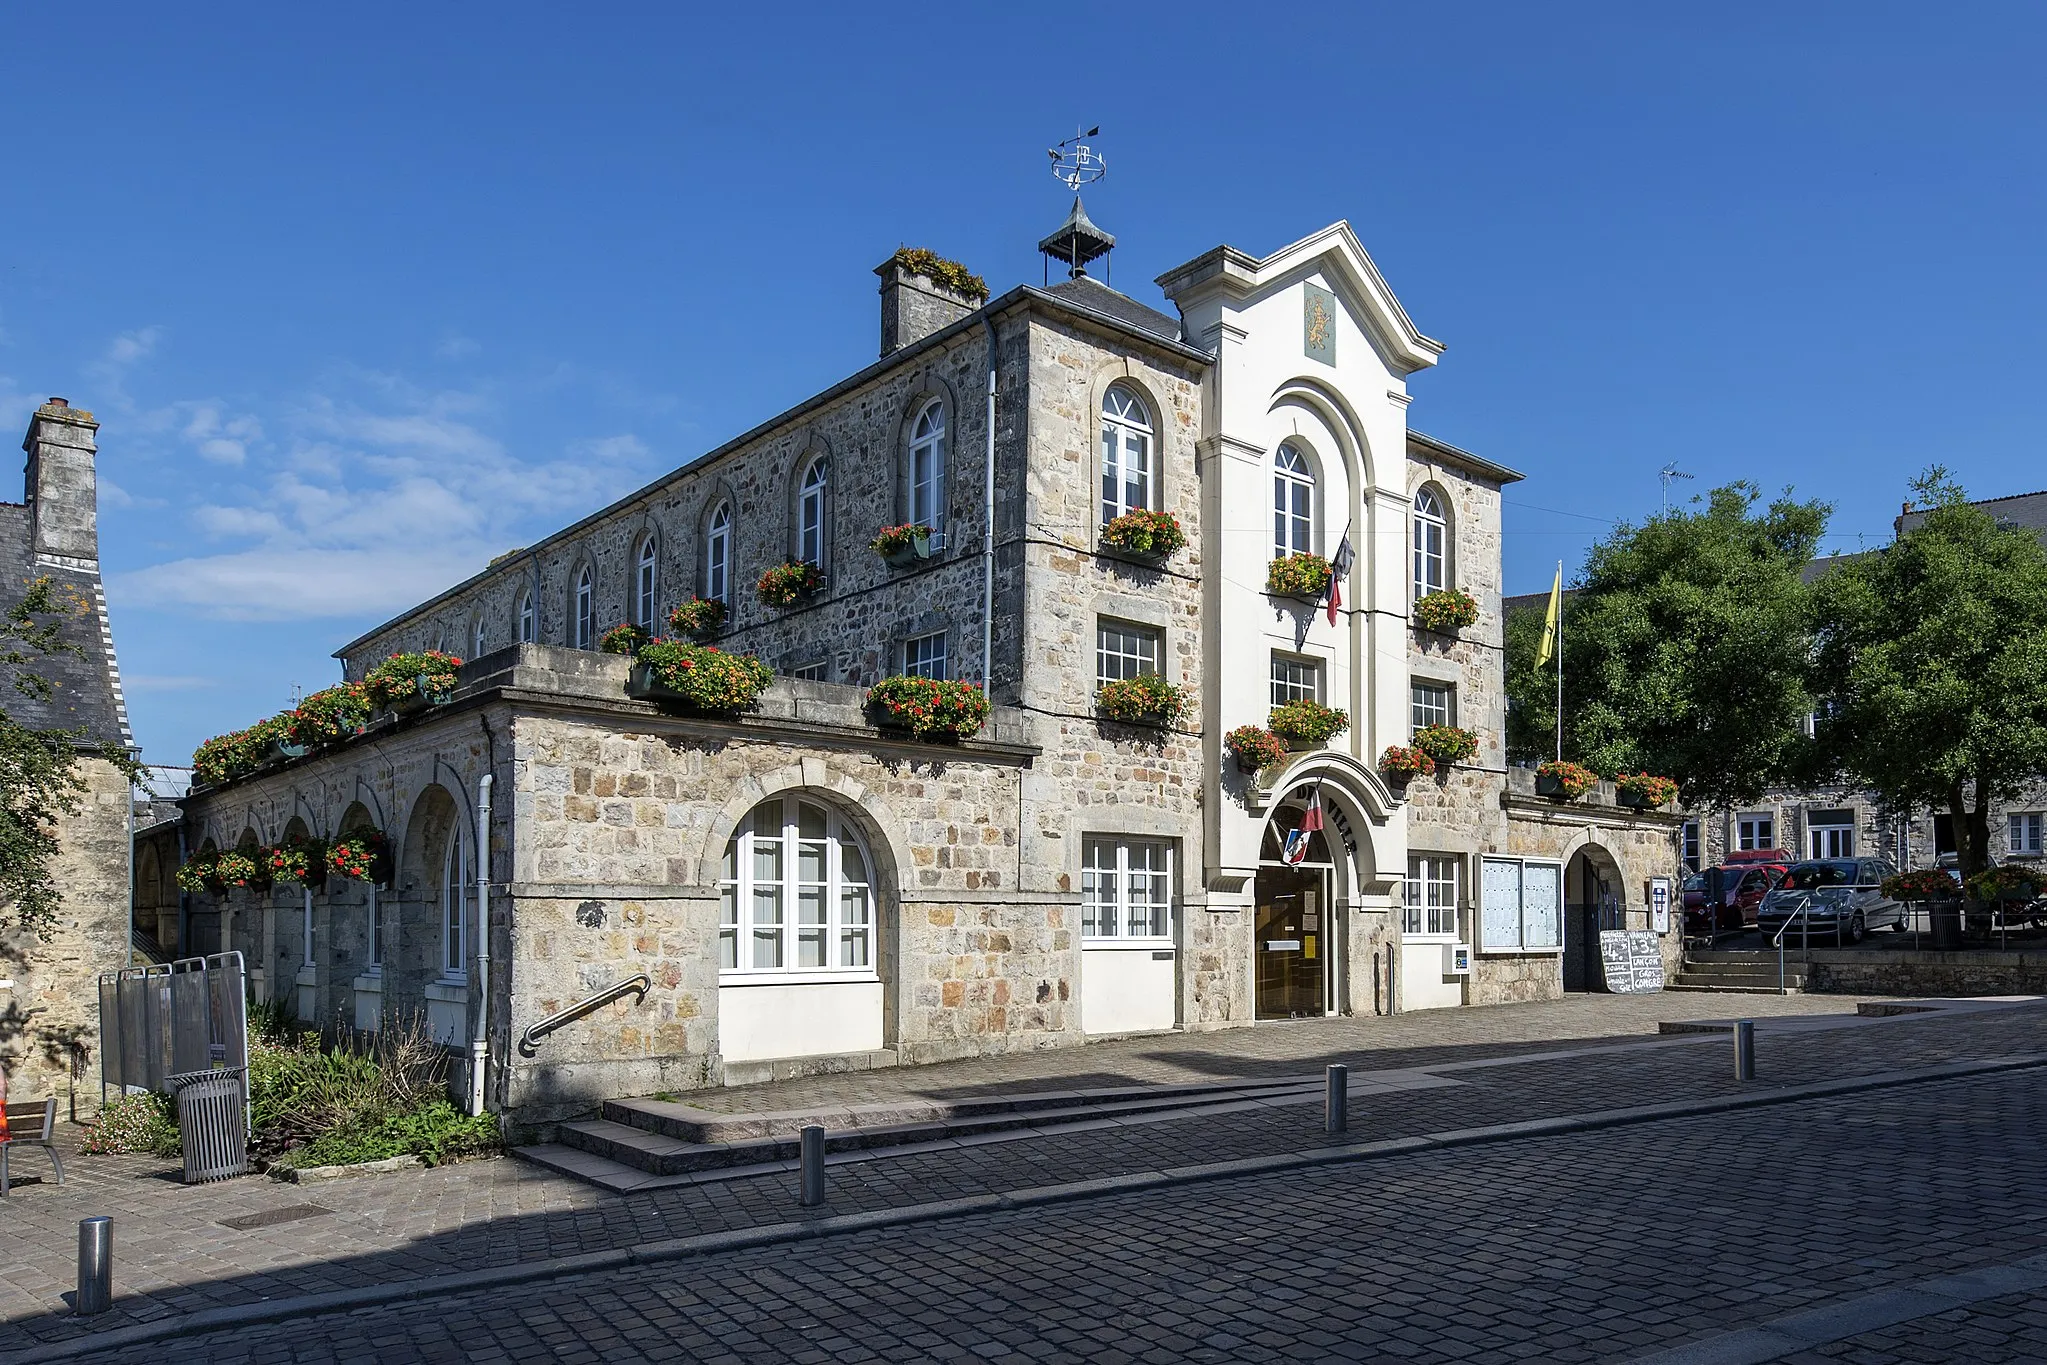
1632 960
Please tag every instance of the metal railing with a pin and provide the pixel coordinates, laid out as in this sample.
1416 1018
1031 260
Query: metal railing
1804 938
529 1040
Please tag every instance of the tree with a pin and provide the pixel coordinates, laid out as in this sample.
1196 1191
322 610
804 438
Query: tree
1684 649
1930 663
39 779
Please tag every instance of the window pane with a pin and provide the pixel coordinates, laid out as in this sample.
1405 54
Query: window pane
728 926
1500 907
767 858
1295 680
811 928
1542 905
852 867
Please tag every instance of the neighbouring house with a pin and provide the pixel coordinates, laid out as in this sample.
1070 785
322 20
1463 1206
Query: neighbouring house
806 887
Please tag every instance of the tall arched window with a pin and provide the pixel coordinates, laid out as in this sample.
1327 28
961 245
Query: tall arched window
1429 535
718 554
585 612
529 628
1128 476
927 472
1293 502
810 511
476 637
457 890
795 895
646 583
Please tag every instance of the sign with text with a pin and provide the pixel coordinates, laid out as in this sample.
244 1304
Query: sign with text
1632 961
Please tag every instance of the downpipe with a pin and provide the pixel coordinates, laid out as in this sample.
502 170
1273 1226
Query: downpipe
479 1045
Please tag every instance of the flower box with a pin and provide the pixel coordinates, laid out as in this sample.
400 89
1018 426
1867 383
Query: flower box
1146 699
1255 748
624 638
411 682
789 583
1402 763
1446 744
1144 536
701 677
281 751
1302 575
361 855
902 546
700 618
1644 791
1566 781
1446 611
1307 724
930 708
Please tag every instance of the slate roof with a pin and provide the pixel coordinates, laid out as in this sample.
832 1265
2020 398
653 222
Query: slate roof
1090 293
85 696
2028 510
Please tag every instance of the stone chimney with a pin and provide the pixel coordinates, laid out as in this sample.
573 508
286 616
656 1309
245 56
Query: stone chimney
922 292
61 490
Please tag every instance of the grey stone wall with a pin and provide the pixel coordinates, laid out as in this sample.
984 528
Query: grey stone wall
913 306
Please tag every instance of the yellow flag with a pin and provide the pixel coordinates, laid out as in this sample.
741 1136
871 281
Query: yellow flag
1549 620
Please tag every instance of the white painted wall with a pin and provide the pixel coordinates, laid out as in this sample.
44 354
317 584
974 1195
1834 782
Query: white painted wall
447 1012
1422 983
1128 989
763 1022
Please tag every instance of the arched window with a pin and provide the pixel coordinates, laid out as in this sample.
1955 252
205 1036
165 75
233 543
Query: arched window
585 613
718 554
927 472
476 637
646 583
810 511
794 894
1128 477
1293 502
1429 535
457 889
528 627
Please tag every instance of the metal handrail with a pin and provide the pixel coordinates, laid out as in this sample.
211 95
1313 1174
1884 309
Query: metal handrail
640 984
1804 939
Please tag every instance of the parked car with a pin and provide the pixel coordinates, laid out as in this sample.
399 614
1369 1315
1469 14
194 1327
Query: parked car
1842 899
1743 887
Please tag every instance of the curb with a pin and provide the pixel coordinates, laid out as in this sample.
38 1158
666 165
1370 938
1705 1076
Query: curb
772 1234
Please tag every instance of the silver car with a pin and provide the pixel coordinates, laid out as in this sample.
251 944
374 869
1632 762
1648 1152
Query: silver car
1842 899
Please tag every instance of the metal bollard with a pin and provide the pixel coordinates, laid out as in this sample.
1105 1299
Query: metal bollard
1744 1050
95 1265
812 1163
1336 1098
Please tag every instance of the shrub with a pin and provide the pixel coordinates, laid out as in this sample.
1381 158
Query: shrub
143 1124
1255 747
624 638
196 874
1402 763
236 870
362 855
705 676
1927 884
227 757
699 616
789 583
435 1133
1651 791
1298 575
954 276
2009 882
328 716
426 674
932 708
1145 533
897 540
1307 722
1145 698
1446 611
297 860
359 1101
1573 780
1446 744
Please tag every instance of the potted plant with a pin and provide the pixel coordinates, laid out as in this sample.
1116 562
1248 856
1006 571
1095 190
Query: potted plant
1926 884
237 870
1146 699
412 681
270 741
1566 780
1402 763
930 708
329 716
702 677
624 638
297 860
196 873
1446 611
2008 882
1643 791
361 855
1300 575
1255 747
1447 744
1147 536
902 546
1305 724
699 618
789 583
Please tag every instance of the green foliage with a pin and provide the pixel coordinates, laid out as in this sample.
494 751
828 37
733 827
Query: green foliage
1307 722
1298 575
357 1101
954 276
362 855
428 674
1652 791
1146 698
1145 533
707 677
1926 884
436 1133
700 616
1447 744
1930 664
931 708
296 860
1684 650
788 583
624 638
2010 882
910 537
328 716
1573 780
1404 763
1446 611
143 1124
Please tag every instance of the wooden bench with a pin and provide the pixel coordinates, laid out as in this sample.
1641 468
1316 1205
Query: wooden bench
33 1124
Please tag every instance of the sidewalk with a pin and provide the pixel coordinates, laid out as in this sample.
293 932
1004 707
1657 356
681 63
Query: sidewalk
180 1250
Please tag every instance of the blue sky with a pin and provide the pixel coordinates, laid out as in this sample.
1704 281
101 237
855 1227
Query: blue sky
365 296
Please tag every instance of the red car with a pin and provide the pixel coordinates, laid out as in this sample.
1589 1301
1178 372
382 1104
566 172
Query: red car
1748 876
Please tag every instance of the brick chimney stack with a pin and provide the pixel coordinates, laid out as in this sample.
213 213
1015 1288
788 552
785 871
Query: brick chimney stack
61 487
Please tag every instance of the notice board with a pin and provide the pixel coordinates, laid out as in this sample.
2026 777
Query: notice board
1632 960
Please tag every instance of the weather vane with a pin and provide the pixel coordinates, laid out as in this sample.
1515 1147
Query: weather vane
1076 163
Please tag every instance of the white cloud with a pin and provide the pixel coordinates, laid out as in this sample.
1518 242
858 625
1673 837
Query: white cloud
456 347
221 450
272 583
129 347
112 494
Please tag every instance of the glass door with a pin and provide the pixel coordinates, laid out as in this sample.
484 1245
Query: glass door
1292 945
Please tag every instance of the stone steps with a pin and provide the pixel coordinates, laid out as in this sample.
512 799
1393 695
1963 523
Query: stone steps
1733 973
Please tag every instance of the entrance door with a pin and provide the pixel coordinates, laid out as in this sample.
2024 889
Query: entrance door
1292 946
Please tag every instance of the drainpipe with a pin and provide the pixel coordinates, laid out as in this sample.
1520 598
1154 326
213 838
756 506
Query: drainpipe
479 1031
988 531
184 898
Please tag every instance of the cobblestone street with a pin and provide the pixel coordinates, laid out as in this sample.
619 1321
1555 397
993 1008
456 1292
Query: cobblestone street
1568 1246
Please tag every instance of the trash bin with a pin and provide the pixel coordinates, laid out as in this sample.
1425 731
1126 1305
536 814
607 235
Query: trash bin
213 1123
1944 925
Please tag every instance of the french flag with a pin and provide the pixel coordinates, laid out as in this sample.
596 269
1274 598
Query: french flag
1339 569
1296 847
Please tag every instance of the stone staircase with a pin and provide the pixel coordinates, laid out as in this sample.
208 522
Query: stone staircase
1738 973
644 1144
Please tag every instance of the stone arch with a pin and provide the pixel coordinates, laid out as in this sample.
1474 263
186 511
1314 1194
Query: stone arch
1362 805
434 815
810 450
1335 412
930 387
1120 372
886 839
1446 513
1595 898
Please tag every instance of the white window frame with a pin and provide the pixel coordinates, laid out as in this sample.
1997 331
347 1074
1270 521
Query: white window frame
1110 887
1293 502
2025 833
848 929
1291 687
647 584
1429 909
476 638
1123 650
1755 830
529 624
1830 838
1439 707
926 481
584 615
718 555
813 490
1129 471
1431 539
375 965
457 917
922 660
817 670
1523 940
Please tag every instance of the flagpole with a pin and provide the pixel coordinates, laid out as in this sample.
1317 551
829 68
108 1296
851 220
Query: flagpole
1560 661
